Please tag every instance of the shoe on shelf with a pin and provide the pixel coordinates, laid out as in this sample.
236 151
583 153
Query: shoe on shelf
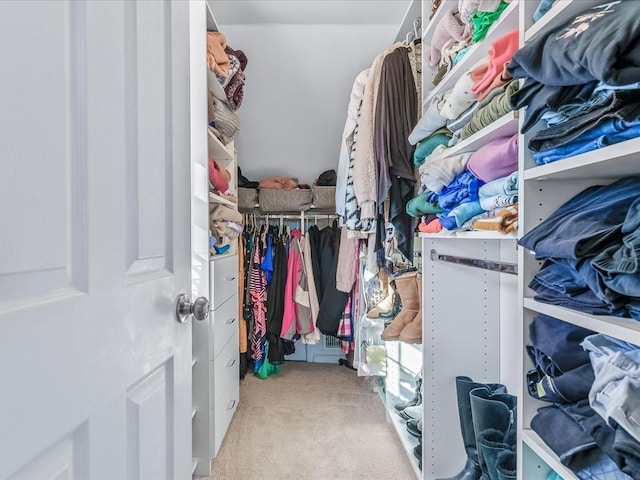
385 305
412 413
414 427
415 400
417 452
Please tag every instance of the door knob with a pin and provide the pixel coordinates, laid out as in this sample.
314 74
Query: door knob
199 308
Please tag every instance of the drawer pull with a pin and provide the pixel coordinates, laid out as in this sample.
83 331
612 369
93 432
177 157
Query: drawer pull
231 363
232 404
231 320
230 278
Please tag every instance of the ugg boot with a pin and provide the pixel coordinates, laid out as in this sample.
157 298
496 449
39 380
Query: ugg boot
412 333
408 291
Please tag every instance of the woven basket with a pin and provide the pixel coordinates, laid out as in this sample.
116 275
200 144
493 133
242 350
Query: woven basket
247 198
276 200
324 197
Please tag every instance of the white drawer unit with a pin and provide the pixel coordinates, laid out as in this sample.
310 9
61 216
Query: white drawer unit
225 368
225 408
223 279
224 323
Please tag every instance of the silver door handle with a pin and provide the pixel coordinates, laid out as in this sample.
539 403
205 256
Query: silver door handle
232 404
231 363
231 320
199 308
230 278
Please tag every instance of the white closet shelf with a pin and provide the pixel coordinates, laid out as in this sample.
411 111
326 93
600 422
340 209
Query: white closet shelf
217 150
505 126
614 161
214 198
507 22
535 443
427 32
407 440
473 235
561 12
626 329
228 253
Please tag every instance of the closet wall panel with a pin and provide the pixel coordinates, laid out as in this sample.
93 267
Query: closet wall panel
299 78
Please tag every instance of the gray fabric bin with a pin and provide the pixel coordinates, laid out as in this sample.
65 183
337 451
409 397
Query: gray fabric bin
276 200
324 197
247 198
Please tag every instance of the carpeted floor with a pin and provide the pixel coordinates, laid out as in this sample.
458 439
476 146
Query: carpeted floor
310 422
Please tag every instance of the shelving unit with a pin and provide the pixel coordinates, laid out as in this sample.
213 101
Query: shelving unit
215 340
542 190
507 22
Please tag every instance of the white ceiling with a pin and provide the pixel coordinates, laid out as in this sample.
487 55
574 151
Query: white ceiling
308 12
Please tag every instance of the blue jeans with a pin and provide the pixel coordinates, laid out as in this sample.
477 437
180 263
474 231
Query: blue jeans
615 393
562 369
615 442
619 265
588 115
584 145
586 224
585 301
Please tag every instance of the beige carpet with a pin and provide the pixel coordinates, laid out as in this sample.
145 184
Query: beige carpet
310 422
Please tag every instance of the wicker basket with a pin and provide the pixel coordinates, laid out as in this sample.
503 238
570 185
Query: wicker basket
247 198
276 200
324 197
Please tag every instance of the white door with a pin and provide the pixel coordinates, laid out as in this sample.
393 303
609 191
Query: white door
95 371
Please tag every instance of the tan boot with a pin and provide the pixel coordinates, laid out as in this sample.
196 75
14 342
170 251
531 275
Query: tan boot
409 295
412 333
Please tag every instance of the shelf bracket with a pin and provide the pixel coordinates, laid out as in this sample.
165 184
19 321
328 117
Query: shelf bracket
501 267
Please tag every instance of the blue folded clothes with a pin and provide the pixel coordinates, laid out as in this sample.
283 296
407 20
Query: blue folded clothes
609 133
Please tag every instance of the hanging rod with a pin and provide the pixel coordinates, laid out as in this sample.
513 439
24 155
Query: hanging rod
502 267
292 217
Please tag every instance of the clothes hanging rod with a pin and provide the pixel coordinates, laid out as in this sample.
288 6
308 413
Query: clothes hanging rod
502 267
292 217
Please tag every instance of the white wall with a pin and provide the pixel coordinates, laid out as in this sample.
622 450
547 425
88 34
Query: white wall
299 79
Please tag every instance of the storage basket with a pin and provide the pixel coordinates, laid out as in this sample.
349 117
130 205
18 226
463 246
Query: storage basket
247 198
324 197
276 200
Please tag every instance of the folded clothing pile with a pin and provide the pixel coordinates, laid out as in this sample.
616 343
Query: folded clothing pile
461 189
219 178
225 224
590 382
591 251
479 97
586 89
227 66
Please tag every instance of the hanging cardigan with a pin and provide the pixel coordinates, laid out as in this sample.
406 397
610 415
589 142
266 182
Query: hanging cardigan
350 124
365 180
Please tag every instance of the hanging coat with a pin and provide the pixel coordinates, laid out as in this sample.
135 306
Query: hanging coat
333 301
